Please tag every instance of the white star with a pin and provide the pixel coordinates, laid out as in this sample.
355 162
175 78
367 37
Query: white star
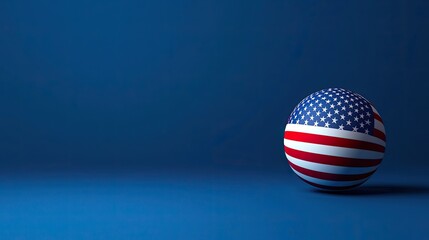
322 119
324 109
361 115
368 122
311 118
366 131
350 106
356 110
349 113
342 116
341 127
305 122
348 122
368 114
332 106
346 101
343 108
336 111
334 120
318 113
356 119
339 103
327 124
361 125
316 123
302 117
355 129
329 114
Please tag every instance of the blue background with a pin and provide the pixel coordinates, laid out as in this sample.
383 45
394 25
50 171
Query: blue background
164 119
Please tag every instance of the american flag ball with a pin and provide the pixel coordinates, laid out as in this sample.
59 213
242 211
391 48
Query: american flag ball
334 139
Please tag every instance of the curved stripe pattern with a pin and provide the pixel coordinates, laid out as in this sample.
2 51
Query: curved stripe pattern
330 176
330 158
332 150
327 168
334 139
329 183
334 133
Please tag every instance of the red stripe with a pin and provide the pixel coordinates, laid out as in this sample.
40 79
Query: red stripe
332 141
376 116
379 134
330 176
331 187
331 160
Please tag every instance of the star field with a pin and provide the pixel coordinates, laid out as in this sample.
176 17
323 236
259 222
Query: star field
335 108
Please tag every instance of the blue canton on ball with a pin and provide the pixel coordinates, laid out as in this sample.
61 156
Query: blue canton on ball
335 108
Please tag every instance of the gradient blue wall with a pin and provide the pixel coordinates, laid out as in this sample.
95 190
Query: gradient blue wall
132 84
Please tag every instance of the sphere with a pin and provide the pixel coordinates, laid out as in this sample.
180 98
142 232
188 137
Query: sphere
334 139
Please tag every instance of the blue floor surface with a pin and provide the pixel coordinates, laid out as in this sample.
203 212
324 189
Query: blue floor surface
232 205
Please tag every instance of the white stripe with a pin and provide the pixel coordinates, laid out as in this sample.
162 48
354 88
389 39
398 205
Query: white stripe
328 182
332 150
334 133
375 110
330 168
379 125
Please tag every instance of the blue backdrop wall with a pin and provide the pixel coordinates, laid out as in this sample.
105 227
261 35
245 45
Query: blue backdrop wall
133 84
